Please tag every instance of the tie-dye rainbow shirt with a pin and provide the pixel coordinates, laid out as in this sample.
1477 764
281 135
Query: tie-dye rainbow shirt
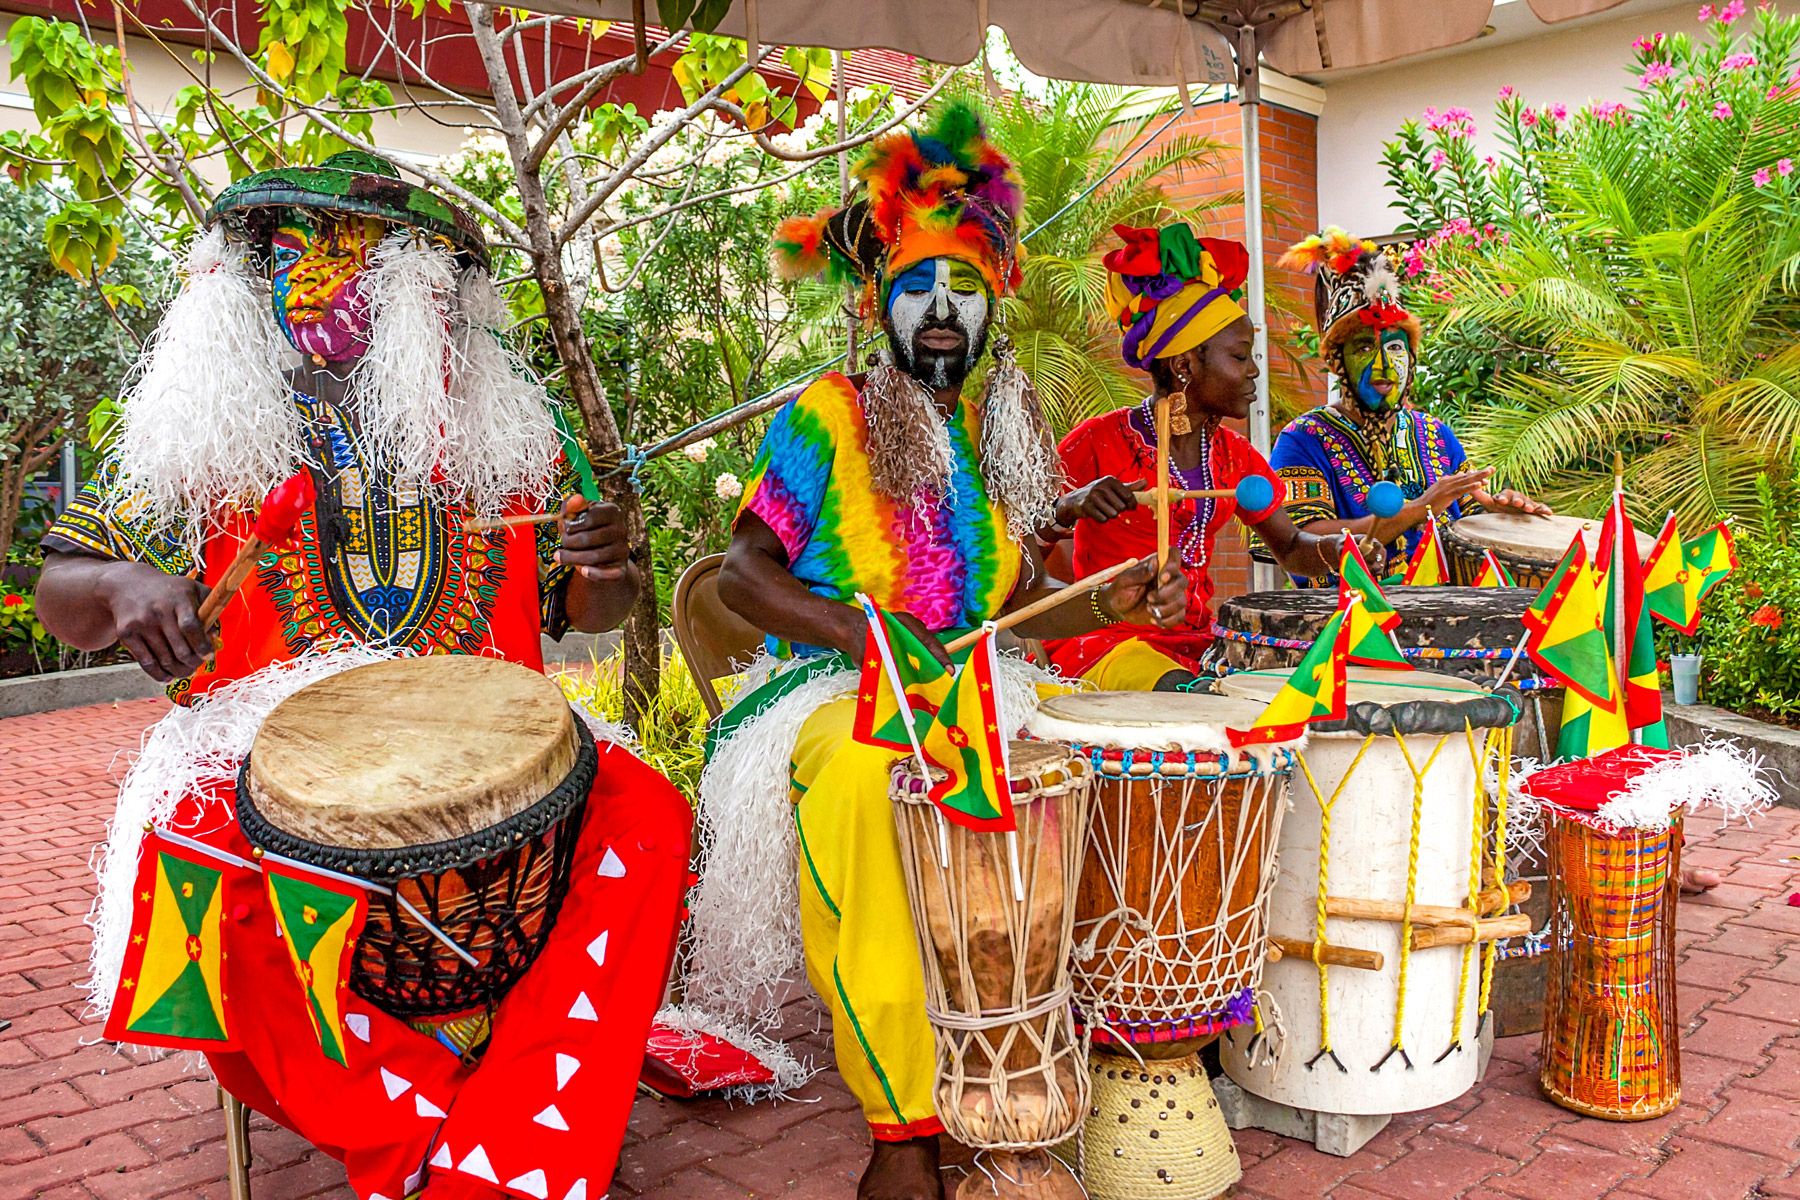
952 565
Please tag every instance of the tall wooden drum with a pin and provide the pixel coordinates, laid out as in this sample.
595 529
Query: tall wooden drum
994 913
1380 906
464 813
1170 925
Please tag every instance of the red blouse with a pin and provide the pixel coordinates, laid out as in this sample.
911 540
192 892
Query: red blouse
1123 444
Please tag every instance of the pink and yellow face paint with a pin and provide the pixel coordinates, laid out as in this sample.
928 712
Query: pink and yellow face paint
316 266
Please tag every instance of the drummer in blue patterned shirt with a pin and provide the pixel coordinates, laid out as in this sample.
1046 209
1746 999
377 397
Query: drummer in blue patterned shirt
1331 456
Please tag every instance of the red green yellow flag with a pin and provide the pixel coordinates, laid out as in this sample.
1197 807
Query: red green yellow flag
1372 619
966 742
1679 574
319 919
1427 567
1493 573
1628 626
171 989
1314 692
1567 636
895 666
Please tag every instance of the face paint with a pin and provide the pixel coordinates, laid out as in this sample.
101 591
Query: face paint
315 278
937 320
1373 358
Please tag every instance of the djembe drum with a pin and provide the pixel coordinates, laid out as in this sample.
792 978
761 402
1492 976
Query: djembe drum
1528 547
1169 927
994 924
463 816
1380 907
1611 1045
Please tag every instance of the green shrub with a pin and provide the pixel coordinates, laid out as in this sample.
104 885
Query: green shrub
1750 625
673 732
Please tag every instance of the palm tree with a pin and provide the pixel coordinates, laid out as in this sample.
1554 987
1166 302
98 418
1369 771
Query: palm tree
1070 139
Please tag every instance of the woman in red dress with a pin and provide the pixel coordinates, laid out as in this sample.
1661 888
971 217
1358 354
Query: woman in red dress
1173 296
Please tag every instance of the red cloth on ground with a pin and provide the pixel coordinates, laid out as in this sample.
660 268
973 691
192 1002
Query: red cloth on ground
1113 444
545 1109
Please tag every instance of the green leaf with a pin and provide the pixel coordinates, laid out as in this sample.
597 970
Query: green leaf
674 14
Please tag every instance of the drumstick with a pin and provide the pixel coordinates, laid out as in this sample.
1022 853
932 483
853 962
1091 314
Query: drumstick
1162 482
1429 936
275 525
1044 605
1252 493
486 524
1330 955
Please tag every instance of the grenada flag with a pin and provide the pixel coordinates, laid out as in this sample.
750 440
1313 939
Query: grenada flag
1314 692
1628 625
1679 574
1427 567
171 989
966 742
895 665
1493 573
1568 639
319 919
1372 619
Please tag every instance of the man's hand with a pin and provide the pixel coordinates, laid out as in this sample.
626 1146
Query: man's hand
1513 500
1132 597
1373 552
1101 500
1451 488
157 617
595 540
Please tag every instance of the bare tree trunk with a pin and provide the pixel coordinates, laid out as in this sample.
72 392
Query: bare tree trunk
12 497
642 633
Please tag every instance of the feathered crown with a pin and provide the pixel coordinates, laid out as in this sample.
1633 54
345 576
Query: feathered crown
943 191
1353 283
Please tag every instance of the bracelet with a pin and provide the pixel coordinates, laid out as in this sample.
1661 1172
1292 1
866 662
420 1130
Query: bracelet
1100 614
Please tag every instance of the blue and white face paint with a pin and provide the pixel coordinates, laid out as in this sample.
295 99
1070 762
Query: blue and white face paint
938 314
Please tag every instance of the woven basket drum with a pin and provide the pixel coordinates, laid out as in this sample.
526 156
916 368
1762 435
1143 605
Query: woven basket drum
1611 1044
454 782
1011 1078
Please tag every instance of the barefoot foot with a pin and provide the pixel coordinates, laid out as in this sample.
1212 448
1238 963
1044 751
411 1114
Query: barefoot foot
1695 880
902 1171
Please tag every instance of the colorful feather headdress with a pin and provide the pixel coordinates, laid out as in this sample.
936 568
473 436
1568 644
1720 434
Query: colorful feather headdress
943 191
1353 284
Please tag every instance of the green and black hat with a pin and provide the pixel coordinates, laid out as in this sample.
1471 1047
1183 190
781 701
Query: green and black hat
348 182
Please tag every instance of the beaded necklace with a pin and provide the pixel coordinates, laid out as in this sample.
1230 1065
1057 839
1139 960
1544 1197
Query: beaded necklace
1191 543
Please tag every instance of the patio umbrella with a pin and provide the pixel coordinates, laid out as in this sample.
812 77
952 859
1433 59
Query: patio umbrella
1144 43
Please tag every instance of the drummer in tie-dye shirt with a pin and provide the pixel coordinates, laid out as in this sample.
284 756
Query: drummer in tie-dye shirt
896 485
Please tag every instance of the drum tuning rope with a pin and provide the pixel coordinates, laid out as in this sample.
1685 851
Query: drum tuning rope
1501 742
1412 885
1477 838
1318 946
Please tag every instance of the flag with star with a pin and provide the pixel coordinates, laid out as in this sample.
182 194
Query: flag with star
1568 639
319 919
902 684
1493 573
1678 574
1427 567
1316 690
966 742
171 989
1628 628
1372 619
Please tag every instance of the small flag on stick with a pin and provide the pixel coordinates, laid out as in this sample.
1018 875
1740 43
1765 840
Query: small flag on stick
966 742
320 920
171 990
1316 690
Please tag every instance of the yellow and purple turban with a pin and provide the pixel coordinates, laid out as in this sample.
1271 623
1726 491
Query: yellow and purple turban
1170 291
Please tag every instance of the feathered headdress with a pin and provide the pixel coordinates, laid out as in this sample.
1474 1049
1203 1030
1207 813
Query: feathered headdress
943 191
1353 284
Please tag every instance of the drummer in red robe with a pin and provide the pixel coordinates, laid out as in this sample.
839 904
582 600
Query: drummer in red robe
306 299
1174 296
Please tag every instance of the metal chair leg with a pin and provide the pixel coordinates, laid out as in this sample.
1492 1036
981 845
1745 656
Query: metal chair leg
237 1145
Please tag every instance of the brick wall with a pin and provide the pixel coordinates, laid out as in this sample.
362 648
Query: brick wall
1290 212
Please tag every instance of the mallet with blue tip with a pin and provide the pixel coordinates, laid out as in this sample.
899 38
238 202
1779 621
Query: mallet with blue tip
1253 494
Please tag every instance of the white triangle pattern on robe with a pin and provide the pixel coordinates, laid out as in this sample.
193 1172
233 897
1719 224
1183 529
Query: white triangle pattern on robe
612 867
566 1066
578 1191
583 1009
552 1118
476 1163
443 1158
426 1108
358 1025
396 1086
532 1183
597 949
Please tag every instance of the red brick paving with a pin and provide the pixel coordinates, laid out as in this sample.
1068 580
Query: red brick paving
80 1121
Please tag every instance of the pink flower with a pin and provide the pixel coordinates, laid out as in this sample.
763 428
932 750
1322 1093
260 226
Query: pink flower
1721 111
1761 178
1738 62
1528 117
1610 111
1438 158
1706 12
1490 164
1785 167
1558 112
1655 73
1645 45
1506 91
1731 11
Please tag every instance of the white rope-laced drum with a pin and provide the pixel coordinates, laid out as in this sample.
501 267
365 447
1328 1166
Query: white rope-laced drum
1382 901
994 915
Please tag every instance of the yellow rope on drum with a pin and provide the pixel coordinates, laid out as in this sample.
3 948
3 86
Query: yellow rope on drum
1477 838
1319 941
1500 744
1412 884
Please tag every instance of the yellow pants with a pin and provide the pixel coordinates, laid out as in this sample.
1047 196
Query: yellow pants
1130 666
861 953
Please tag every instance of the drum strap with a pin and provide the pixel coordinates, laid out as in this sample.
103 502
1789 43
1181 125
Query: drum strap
1054 1002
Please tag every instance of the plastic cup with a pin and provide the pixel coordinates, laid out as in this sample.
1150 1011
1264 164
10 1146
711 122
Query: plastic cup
1685 671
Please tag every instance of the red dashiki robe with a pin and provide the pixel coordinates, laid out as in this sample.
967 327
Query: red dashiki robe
533 1103
1123 444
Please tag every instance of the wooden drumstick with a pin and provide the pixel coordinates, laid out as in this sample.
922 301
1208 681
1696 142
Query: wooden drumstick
275 524
1427 937
1330 955
1162 481
1044 605
486 524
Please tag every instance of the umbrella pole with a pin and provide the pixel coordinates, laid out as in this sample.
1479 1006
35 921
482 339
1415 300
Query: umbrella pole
841 91
1250 116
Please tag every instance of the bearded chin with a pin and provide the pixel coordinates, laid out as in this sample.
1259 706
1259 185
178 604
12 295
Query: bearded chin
936 369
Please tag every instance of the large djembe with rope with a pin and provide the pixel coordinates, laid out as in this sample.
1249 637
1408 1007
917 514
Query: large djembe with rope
1383 906
1170 925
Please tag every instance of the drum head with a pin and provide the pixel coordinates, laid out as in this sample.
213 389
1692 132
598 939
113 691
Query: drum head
1143 720
1534 539
1368 685
411 752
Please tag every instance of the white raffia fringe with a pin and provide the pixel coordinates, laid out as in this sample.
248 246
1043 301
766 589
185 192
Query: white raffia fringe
1719 774
207 422
745 932
1018 451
